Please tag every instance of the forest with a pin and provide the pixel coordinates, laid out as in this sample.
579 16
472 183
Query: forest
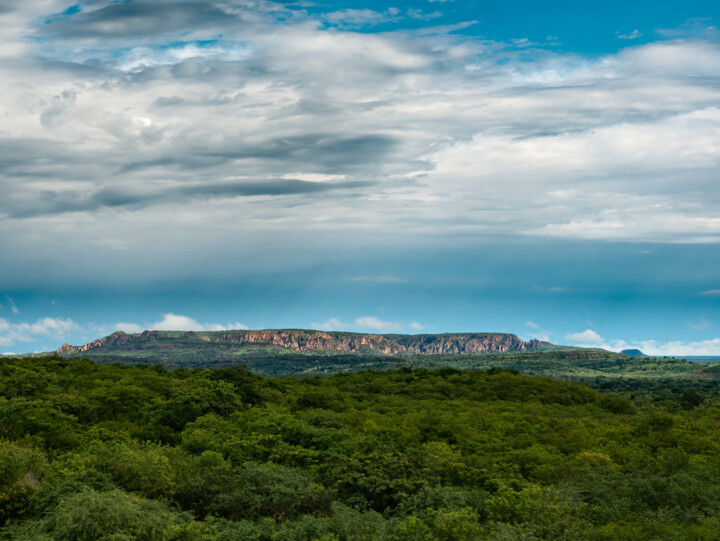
108 452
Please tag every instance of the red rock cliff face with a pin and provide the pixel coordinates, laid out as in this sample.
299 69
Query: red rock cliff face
313 341
116 339
436 344
307 341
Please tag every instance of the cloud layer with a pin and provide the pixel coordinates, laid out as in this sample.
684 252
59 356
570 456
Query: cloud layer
151 119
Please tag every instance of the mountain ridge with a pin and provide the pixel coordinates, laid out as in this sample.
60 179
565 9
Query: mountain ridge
313 341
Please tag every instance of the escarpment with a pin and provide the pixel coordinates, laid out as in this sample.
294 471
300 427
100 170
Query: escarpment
318 341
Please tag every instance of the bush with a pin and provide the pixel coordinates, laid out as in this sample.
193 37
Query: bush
103 516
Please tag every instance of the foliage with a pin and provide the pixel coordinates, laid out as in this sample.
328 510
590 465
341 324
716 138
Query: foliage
92 451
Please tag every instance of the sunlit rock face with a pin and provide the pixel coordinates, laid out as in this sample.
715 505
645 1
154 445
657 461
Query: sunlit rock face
302 340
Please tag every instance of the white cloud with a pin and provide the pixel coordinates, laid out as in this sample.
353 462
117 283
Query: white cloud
638 224
415 13
711 293
590 338
537 333
12 333
368 323
130 328
226 327
11 304
176 322
700 325
668 349
585 337
331 324
632 35
359 18
372 322
49 326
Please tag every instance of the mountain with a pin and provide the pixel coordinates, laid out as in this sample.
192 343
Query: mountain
308 341
296 352
634 353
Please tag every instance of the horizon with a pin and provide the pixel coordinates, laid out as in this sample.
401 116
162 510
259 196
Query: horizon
136 332
422 167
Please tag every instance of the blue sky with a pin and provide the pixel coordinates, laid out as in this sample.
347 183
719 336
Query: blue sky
548 169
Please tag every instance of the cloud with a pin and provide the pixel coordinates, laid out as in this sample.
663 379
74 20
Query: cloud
586 337
138 19
590 338
680 348
636 225
181 124
143 196
551 289
360 18
701 324
371 323
130 328
415 13
331 324
537 332
12 333
176 322
711 293
632 35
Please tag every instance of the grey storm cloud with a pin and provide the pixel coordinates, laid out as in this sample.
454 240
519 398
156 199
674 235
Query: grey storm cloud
321 152
57 203
122 20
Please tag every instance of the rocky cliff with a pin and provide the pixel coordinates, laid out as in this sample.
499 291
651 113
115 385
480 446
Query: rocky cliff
309 341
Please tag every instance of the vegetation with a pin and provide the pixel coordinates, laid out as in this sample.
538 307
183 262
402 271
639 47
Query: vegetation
178 351
91 451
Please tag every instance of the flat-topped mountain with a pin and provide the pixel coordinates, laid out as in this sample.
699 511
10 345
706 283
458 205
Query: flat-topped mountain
311 341
284 352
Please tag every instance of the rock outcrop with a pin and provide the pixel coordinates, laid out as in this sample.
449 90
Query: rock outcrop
309 341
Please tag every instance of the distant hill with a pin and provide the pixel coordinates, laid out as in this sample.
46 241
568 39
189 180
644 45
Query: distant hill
298 352
267 348
634 353
305 341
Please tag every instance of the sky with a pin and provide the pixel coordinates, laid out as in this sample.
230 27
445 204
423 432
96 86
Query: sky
549 169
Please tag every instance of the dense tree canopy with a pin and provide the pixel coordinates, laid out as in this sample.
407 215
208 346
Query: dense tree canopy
91 451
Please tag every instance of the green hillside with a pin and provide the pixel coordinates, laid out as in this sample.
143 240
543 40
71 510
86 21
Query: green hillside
218 348
267 360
